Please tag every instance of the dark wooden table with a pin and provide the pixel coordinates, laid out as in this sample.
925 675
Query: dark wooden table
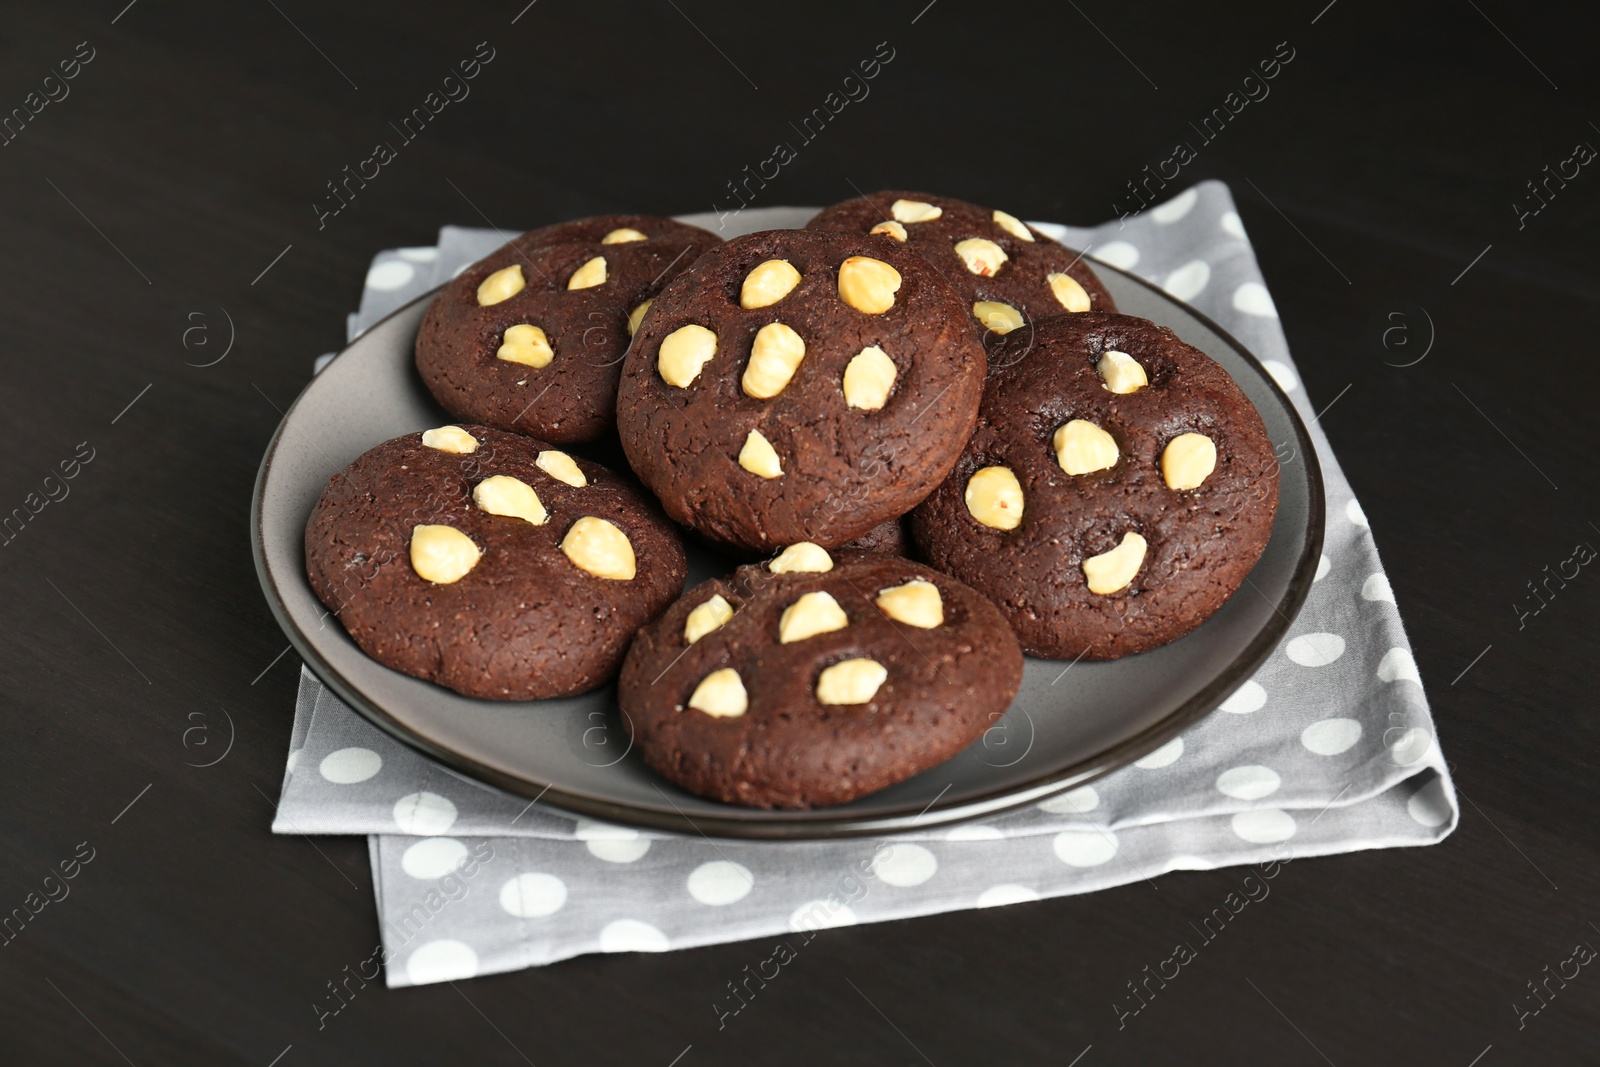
179 181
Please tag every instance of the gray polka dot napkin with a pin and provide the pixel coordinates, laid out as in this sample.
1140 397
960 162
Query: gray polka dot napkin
1329 748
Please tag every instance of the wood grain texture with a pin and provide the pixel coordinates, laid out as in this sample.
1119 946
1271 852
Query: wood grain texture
190 153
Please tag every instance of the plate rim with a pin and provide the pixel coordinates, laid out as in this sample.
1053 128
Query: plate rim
750 823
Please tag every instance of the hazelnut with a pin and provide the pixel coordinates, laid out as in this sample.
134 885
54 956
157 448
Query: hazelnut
890 229
561 467
914 211
1188 460
803 556
868 377
1068 292
721 695
707 617
853 681
442 554
1113 570
683 352
589 275
622 236
997 317
503 284
512 497
1083 448
527 345
916 603
768 283
450 439
759 457
636 316
868 284
981 256
813 614
1013 225
1120 372
774 357
994 497
597 546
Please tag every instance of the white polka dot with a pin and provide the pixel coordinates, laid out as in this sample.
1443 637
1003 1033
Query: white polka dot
433 857
612 843
1189 280
1117 253
821 915
974 833
1247 698
441 961
419 255
1190 863
1315 650
720 882
1429 806
1085 848
1265 826
294 758
390 274
1398 665
350 765
1006 894
1161 757
1176 208
1282 373
904 865
1353 512
1377 587
1331 736
1250 782
1323 567
1076 802
1412 746
424 814
1232 224
1252 298
533 895
631 935
613 850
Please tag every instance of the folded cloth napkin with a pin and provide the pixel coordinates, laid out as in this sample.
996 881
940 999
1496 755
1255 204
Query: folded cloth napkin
1329 748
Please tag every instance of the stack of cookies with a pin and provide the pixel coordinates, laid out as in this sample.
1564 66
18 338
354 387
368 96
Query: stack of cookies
919 423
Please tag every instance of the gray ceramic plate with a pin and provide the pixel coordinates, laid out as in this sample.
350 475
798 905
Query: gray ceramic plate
1067 726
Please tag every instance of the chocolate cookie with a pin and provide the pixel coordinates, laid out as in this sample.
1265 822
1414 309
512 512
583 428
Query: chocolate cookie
1009 274
1117 490
798 385
490 563
812 680
889 538
530 338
